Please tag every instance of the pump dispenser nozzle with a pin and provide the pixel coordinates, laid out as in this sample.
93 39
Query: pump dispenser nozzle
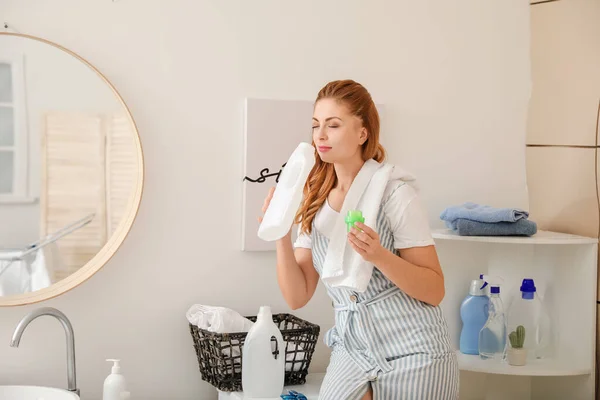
116 368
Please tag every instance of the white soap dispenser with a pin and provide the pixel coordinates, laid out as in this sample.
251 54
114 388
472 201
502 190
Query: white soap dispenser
114 384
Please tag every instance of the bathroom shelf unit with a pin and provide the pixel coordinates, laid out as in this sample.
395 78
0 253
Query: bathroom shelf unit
541 237
564 268
545 367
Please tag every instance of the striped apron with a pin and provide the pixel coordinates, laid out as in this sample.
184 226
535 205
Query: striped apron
384 338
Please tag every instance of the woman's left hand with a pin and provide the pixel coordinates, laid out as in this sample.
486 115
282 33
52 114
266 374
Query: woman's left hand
365 241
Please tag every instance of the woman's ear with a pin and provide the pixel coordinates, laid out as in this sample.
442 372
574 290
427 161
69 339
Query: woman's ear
364 135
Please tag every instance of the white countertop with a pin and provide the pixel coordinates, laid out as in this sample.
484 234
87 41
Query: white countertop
310 389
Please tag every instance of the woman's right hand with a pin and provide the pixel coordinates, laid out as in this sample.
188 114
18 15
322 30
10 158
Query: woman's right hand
266 203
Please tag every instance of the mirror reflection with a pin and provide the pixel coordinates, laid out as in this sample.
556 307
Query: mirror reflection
68 164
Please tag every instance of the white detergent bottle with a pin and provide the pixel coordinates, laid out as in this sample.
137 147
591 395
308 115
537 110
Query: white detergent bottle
263 373
114 384
279 217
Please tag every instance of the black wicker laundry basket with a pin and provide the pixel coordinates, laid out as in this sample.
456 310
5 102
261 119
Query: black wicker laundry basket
220 354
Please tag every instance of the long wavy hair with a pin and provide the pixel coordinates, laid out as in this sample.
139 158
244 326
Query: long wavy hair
322 177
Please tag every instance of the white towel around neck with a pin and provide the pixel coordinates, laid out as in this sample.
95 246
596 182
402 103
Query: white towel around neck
343 266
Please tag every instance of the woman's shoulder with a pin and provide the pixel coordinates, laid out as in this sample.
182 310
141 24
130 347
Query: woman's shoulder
398 191
407 215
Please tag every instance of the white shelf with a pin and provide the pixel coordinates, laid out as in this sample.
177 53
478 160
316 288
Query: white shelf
547 367
310 389
541 237
565 269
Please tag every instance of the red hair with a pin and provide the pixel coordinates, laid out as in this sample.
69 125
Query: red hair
322 178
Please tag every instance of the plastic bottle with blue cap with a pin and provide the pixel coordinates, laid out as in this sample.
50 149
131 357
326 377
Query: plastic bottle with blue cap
492 337
473 314
528 310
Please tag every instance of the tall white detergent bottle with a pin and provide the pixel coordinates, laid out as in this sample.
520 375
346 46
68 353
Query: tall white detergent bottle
279 217
263 373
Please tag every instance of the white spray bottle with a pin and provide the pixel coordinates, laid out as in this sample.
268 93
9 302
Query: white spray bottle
263 373
279 217
114 384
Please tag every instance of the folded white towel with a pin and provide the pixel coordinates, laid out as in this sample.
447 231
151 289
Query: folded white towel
343 266
217 319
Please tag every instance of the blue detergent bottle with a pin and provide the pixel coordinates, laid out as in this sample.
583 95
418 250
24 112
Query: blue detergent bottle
474 314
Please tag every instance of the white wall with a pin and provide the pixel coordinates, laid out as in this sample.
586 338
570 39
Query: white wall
454 77
54 81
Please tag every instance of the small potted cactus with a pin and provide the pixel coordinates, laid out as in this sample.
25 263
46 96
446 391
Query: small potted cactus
517 355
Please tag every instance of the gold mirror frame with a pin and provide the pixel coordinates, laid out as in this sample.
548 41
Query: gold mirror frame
115 241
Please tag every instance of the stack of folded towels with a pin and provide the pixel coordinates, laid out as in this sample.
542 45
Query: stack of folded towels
470 219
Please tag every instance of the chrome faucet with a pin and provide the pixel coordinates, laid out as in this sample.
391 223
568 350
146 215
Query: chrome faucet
53 312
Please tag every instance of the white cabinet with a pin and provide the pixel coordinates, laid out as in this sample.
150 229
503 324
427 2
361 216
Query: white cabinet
564 268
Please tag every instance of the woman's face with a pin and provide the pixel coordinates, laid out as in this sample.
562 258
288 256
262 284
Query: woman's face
337 134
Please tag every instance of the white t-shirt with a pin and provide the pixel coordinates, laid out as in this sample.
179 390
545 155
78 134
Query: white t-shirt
403 208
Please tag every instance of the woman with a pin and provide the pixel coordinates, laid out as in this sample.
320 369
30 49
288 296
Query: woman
396 346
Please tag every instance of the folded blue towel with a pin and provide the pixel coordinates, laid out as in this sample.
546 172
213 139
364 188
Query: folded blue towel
522 227
482 213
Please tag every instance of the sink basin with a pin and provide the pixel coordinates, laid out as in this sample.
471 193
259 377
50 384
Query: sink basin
35 393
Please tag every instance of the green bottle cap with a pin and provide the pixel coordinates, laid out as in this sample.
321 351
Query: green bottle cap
352 217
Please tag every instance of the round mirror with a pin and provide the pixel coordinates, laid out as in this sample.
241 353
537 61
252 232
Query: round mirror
71 170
